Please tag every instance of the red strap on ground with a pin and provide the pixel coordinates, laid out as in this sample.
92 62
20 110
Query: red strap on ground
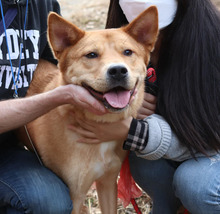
127 188
136 208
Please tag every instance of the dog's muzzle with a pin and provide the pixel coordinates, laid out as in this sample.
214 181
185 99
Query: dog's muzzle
118 97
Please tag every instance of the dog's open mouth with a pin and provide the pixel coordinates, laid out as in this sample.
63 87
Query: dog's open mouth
115 99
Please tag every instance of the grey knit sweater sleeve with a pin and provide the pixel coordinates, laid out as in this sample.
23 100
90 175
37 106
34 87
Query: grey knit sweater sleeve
163 143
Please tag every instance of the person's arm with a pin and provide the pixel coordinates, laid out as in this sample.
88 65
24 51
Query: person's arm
18 112
153 138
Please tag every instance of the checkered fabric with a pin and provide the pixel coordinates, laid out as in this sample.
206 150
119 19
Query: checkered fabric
137 136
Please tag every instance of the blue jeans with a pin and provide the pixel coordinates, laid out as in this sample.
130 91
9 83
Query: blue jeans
193 183
28 187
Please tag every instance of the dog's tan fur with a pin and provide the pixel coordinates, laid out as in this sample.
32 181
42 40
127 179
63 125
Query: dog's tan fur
78 164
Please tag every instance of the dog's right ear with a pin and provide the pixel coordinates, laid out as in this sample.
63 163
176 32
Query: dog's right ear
62 34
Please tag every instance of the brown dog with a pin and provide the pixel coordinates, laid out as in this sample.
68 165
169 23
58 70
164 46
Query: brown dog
111 64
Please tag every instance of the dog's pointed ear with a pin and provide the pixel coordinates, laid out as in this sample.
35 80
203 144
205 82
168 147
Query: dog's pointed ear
62 34
144 29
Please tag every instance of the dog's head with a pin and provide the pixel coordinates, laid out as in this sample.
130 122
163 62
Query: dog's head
110 64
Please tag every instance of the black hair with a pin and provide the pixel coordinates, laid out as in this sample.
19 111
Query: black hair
188 72
115 17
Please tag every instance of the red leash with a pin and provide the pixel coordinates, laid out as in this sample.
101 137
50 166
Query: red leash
136 208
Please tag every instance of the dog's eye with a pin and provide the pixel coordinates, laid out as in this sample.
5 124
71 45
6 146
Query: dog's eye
91 55
128 52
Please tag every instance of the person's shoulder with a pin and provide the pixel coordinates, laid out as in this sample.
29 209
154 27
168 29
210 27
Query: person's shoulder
48 5
46 2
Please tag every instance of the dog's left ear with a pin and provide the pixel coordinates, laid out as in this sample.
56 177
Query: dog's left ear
144 29
62 34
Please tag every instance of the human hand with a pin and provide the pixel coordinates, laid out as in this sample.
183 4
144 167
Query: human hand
79 96
34 106
148 107
97 132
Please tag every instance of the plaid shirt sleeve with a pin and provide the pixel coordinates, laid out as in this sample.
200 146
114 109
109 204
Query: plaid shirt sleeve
137 136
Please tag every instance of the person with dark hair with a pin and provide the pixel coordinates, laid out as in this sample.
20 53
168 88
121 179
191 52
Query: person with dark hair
175 151
26 186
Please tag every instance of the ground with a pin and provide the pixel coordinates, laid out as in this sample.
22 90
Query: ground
88 15
85 14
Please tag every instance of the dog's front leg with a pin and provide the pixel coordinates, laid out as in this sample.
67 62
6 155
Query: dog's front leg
78 207
107 193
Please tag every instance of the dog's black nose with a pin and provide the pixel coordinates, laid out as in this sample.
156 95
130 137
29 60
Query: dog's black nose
118 72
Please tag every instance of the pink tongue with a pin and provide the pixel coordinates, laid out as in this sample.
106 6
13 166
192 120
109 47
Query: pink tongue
118 99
